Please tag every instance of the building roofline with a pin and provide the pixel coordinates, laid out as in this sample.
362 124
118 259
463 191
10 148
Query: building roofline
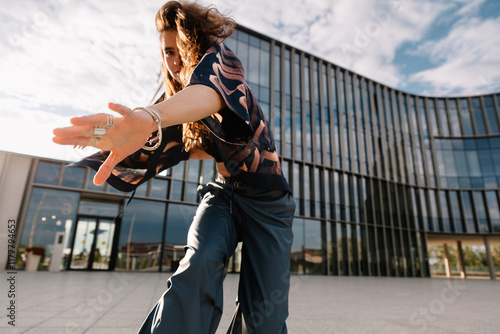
261 35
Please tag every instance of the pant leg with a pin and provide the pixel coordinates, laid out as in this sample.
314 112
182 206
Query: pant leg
193 301
266 220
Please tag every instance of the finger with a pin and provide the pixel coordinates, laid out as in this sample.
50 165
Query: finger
74 131
100 119
106 168
121 109
80 141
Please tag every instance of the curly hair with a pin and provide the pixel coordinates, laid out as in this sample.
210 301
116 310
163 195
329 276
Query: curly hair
198 28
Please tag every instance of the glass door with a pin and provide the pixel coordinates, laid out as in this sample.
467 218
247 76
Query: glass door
102 245
92 244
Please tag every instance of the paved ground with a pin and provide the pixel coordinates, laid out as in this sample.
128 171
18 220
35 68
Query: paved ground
114 302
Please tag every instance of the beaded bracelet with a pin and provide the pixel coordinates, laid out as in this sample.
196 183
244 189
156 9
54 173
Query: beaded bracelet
156 140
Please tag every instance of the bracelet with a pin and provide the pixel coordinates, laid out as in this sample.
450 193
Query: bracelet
155 141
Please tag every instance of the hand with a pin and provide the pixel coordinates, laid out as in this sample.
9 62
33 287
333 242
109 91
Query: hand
124 138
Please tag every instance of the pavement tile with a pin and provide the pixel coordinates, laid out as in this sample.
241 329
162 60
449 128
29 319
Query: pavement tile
72 302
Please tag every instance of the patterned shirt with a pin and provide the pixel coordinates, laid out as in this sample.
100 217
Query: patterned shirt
243 139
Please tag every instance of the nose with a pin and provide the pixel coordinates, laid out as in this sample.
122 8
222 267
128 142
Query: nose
177 61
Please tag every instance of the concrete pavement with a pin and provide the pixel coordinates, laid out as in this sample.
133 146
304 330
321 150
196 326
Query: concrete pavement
117 302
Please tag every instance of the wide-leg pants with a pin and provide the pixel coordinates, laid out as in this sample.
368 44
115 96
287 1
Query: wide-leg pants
229 213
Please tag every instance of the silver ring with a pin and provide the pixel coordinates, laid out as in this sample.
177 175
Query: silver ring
131 115
99 132
110 121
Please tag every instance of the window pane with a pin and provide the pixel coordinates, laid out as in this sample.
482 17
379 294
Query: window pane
494 212
73 177
49 211
478 115
159 188
179 220
139 243
98 208
492 115
466 120
469 214
298 247
457 214
454 120
481 212
313 253
47 173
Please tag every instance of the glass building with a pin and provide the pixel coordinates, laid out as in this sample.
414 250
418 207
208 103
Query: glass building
386 183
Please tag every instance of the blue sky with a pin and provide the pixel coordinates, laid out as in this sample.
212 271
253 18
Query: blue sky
62 58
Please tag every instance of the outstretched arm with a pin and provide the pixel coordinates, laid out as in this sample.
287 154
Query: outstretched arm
129 135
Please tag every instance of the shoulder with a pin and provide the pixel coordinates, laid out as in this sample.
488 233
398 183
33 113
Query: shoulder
222 55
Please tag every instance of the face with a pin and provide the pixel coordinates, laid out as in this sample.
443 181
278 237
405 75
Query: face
171 55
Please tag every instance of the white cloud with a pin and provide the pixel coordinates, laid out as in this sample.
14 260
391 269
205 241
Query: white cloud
362 36
65 57
28 130
469 7
468 59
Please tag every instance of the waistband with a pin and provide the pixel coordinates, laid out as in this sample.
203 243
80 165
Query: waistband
231 181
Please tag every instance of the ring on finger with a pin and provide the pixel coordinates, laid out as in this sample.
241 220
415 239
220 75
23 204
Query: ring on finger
99 132
94 141
130 115
110 122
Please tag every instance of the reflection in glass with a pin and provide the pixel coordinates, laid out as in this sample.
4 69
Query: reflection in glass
73 177
97 208
474 256
373 251
139 243
442 116
454 120
104 242
93 241
469 213
297 265
437 258
478 116
142 190
47 173
481 212
466 119
49 211
84 239
492 115
179 220
393 261
159 188
382 251
494 212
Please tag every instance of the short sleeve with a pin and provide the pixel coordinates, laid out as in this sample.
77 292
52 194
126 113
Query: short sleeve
142 165
221 70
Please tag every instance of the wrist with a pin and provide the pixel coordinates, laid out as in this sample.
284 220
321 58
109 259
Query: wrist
151 124
154 141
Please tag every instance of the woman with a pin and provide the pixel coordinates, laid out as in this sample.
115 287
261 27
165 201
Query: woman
209 113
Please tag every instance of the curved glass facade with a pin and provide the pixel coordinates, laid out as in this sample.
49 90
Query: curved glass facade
374 170
378 174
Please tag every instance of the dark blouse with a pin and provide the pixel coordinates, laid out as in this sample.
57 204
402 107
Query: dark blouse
243 139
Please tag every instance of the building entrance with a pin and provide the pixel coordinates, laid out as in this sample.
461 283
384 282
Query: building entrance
92 244
464 256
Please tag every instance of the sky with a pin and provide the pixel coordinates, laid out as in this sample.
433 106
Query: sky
65 58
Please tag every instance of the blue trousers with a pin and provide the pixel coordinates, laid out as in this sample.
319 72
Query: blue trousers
229 213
